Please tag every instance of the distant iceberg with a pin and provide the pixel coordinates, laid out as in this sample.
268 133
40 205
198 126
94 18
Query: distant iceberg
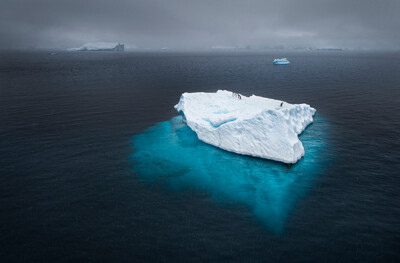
99 46
254 125
281 61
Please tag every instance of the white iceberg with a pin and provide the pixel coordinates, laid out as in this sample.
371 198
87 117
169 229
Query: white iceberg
254 125
281 61
99 46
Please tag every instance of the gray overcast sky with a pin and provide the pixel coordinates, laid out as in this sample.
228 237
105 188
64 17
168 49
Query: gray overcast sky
186 24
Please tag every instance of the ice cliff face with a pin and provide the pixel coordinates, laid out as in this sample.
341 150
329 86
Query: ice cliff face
254 125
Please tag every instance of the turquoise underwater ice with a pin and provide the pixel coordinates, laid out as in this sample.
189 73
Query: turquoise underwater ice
171 152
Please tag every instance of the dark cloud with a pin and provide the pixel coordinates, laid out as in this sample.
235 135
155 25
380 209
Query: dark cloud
201 24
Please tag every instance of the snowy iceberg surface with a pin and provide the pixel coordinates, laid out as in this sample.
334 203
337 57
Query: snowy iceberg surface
99 46
281 61
254 125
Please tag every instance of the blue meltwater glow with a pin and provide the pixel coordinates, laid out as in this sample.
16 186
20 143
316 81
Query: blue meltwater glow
171 152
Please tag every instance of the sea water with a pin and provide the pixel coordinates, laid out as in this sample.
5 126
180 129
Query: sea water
94 167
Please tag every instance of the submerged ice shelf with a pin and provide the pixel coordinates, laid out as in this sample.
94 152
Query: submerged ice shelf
254 125
170 154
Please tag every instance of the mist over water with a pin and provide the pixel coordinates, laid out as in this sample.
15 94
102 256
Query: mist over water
193 25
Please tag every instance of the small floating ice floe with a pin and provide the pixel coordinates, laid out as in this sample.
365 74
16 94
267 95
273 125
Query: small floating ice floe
52 53
254 125
281 61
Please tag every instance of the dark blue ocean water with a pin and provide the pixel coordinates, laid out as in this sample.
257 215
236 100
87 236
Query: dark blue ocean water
94 166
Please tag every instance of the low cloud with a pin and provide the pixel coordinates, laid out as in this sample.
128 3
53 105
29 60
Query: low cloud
185 24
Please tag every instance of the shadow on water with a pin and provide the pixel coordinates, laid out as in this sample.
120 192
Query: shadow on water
171 153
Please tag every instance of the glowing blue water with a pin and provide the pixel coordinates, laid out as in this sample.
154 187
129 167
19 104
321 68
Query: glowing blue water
220 123
170 152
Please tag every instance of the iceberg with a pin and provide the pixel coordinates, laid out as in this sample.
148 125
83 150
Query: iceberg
255 126
281 61
99 46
